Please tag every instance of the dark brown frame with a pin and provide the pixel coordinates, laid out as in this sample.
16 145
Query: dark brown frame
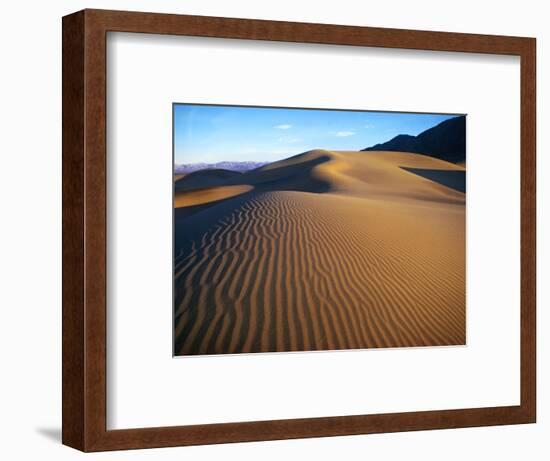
84 229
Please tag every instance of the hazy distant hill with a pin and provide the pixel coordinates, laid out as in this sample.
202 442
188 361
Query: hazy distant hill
231 166
446 141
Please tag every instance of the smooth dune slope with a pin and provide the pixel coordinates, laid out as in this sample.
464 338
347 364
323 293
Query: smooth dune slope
208 195
324 250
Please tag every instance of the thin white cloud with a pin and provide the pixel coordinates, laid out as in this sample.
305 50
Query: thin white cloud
369 126
343 134
288 140
283 127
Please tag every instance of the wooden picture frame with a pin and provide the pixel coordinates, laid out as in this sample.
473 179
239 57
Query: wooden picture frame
85 220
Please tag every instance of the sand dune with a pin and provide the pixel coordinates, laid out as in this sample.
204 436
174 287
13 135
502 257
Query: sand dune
324 250
208 195
204 178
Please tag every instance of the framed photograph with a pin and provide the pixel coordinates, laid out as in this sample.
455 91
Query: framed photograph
279 230
282 246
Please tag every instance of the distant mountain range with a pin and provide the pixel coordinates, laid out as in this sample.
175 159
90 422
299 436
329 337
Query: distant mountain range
231 166
445 141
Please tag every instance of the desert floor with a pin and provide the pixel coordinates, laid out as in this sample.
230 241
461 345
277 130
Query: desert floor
324 250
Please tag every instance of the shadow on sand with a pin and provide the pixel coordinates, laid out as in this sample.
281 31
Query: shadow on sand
454 179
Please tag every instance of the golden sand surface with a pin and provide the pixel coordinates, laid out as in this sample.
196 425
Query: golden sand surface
324 250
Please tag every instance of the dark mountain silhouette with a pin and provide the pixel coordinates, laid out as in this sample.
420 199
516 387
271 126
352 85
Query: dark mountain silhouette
445 141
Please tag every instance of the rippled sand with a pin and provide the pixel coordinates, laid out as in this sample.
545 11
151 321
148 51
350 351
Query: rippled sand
325 250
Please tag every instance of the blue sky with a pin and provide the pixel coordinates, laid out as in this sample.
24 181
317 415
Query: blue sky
227 133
